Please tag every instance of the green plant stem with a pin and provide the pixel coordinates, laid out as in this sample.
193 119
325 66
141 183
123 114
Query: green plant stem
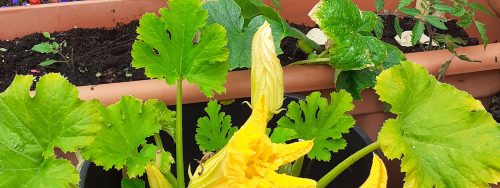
312 61
158 141
431 35
171 178
325 180
323 54
297 167
179 157
160 149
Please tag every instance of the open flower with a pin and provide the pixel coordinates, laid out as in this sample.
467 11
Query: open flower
266 72
251 160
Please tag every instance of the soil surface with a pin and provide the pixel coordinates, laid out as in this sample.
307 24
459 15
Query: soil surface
98 56
94 56
407 24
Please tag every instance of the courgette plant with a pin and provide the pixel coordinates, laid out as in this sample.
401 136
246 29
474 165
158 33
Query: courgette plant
444 137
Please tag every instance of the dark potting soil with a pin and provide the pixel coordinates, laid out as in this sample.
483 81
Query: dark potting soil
407 24
98 56
95 56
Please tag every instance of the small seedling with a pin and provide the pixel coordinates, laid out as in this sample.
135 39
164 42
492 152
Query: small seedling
3 49
451 43
51 48
431 13
128 74
98 74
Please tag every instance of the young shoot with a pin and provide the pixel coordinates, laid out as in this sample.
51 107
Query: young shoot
52 47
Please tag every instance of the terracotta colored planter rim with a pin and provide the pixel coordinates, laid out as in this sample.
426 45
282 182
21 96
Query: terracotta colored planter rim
301 78
57 17
108 13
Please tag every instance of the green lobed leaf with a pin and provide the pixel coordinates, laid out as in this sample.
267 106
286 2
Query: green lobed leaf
128 123
44 48
133 183
369 22
214 131
344 24
447 141
31 127
482 31
166 162
281 135
315 119
394 56
356 81
164 47
417 32
228 14
436 22
251 9
167 119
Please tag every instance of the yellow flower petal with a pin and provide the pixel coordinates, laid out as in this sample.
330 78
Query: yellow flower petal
266 71
257 122
250 159
378 174
156 179
286 153
285 181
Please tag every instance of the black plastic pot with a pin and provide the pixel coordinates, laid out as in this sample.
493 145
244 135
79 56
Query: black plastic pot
95 177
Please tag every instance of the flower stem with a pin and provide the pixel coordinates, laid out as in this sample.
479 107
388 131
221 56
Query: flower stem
297 167
179 157
325 180
312 61
160 149
158 141
171 178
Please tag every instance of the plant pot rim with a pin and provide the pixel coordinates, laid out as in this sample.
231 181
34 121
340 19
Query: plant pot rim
108 13
297 79
57 17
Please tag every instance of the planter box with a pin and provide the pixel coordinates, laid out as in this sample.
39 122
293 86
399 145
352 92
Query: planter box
479 79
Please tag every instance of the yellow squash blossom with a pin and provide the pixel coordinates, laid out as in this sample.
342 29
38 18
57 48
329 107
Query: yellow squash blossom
250 160
266 72
155 178
378 174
